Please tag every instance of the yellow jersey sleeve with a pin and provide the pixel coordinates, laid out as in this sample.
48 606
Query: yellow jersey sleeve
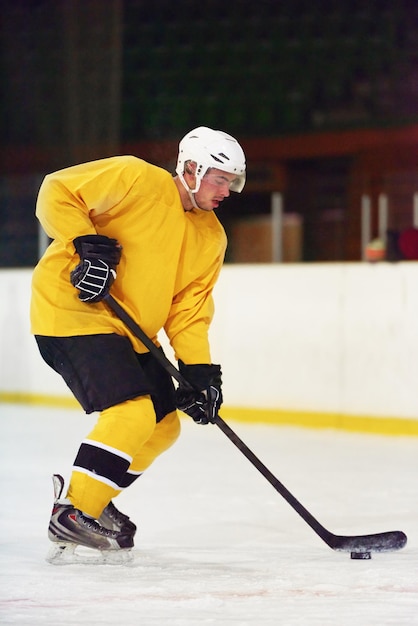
192 306
70 200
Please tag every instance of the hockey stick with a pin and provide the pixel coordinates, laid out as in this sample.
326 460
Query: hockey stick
360 546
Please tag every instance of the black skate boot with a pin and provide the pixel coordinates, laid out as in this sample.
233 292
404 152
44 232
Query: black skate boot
115 520
69 529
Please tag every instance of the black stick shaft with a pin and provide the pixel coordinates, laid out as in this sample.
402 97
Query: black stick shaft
174 372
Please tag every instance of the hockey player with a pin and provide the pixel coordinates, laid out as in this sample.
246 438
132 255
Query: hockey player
123 224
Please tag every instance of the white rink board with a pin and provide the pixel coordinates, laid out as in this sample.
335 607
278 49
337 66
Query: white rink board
322 337
316 337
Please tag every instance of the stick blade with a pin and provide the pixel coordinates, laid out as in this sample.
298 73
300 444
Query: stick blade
380 542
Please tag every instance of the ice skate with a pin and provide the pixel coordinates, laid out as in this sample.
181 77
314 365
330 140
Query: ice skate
78 538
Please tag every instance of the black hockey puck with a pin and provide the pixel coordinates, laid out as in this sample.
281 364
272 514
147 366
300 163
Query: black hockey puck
362 556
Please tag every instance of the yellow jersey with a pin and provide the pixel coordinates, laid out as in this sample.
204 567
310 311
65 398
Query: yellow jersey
170 260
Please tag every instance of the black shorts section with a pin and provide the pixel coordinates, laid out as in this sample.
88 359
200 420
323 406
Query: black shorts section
162 388
104 370
102 462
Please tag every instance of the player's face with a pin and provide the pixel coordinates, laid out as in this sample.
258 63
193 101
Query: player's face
214 188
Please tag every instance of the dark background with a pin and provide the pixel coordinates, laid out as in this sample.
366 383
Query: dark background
322 95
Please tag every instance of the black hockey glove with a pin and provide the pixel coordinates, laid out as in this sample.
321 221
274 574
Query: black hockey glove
203 402
95 274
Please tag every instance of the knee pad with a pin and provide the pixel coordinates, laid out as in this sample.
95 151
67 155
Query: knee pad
125 426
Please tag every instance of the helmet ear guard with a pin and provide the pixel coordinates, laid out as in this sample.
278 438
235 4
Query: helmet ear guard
211 149
189 168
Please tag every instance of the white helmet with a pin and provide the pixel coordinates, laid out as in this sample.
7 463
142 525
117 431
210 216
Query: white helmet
211 148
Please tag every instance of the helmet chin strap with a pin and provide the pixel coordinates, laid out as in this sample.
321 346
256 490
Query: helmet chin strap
189 191
192 198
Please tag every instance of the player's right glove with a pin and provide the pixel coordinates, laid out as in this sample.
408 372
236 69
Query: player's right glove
96 272
203 401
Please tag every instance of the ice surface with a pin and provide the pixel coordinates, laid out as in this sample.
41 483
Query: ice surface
216 545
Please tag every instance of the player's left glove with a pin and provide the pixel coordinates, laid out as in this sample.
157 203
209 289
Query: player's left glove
96 272
203 402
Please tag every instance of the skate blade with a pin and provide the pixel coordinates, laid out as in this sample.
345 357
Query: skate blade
73 554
